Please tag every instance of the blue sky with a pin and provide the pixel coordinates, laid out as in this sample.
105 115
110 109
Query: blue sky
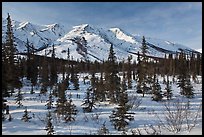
179 22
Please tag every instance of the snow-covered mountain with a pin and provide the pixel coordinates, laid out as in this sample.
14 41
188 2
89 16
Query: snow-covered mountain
40 36
199 50
87 42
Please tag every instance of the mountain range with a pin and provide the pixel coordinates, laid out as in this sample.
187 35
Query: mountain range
87 42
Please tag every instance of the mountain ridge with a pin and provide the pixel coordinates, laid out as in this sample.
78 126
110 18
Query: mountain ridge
87 42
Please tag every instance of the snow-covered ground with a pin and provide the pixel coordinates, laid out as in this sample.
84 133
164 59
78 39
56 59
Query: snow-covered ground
88 123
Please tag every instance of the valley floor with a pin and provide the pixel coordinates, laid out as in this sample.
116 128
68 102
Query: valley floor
90 123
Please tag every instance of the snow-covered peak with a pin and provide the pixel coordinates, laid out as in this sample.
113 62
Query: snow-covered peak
121 35
199 50
24 24
52 25
41 36
80 27
27 26
88 28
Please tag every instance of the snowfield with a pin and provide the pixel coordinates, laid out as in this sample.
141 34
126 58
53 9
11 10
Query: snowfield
90 123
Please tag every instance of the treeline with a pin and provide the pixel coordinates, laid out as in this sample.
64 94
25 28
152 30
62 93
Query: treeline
44 70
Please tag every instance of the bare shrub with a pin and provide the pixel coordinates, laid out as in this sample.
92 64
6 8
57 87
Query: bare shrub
134 101
95 117
85 118
178 116
147 130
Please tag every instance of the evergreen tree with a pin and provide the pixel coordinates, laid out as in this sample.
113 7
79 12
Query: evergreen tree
89 100
71 111
184 78
19 98
199 64
103 130
44 75
129 72
22 67
11 77
101 89
94 83
7 109
193 68
28 62
49 127
74 79
53 71
66 82
168 89
156 90
50 101
10 118
120 116
111 77
25 117
3 117
60 109
142 68
34 69
188 88
144 48
76 82
134 71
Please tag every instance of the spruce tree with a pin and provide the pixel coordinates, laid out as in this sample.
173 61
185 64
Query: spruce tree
60 109
134 70
111 77
168 89
193 68
70 112
139 75
19 98
94 83
7 109
3 117
142 68
120 115
89 101
184 78
101 91
25 117
49 127
76 82
103 130
50 101
53 67
156 90
74 78
34 69
28 62
10 51
129 73
188 88
44 75
10 118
